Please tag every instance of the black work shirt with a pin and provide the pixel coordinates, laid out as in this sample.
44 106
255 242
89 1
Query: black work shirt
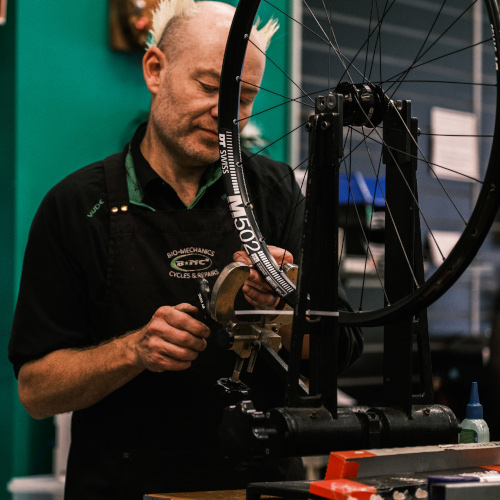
63 282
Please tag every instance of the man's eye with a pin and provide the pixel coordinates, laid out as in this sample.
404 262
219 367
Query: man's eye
208 88
246 101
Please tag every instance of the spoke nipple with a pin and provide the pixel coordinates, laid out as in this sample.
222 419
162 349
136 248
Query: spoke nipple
419 132
237 78
238 164
235 121
246 36
308 127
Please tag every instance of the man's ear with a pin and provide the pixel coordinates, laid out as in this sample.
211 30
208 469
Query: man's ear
153 65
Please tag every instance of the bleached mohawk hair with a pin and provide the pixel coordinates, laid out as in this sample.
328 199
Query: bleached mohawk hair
267 31
166 10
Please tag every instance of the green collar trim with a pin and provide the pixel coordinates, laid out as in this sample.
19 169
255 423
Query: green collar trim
136 194
212 175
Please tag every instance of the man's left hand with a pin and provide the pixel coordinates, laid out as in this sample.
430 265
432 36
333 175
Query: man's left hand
256 290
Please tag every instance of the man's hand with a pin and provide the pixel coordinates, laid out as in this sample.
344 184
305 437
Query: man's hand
172 339
256 291
73 379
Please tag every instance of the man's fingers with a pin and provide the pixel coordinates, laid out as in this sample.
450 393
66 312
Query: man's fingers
181 317
257 296
183 351
256 289
241 256
161 333
280 255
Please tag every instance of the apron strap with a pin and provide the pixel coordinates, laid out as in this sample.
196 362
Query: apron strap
116 183
117 192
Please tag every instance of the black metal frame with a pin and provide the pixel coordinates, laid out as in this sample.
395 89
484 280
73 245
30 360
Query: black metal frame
312 424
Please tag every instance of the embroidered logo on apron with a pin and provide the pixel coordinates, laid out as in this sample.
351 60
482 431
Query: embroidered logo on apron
192 263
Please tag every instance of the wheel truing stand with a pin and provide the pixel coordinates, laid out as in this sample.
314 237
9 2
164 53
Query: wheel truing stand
312 424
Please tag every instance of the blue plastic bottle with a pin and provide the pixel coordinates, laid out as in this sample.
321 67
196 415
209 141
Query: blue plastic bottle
474 428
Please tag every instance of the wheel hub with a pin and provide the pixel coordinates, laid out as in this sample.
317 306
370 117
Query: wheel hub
365 104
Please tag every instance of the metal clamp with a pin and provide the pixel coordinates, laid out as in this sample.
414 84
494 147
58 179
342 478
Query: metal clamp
245 337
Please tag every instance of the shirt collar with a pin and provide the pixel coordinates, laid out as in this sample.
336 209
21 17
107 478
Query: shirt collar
141 175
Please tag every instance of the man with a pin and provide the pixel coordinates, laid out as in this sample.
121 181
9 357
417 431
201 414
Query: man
105 324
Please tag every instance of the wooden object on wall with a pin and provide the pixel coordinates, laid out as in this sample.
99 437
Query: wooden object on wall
129 23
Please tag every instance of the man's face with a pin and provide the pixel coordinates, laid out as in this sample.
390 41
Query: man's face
184 111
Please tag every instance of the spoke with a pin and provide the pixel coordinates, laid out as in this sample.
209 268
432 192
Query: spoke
368 44
390 212
289 99
277 66
378 42
436 59
365 237
448 82
328 42
412 194
337 49
457 135
365 42
427 162
277 140
422 46
413 66
340 56
267 109
348 137
423 156
297 22
269 188
297 203
377 177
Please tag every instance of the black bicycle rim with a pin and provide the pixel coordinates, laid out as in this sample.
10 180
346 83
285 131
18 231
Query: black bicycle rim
436 285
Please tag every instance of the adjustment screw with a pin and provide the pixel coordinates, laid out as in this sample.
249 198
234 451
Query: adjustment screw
332 100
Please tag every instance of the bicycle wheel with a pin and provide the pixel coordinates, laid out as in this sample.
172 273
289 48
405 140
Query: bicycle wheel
404 56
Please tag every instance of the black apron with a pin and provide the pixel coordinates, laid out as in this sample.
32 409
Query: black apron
157 433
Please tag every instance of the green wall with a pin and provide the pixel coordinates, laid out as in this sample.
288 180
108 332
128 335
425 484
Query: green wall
66 100
7 168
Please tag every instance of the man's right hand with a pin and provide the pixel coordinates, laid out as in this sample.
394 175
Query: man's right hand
73 379
172 339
